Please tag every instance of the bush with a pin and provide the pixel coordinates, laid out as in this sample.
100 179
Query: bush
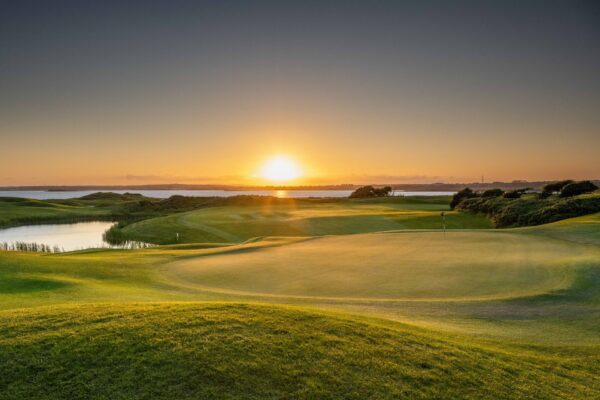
577 188
461 195
493 193
555 187
515 194
506 212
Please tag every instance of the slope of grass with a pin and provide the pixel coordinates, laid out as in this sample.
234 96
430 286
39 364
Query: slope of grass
516 286
581 230
507 314
235 224
233 351
16 211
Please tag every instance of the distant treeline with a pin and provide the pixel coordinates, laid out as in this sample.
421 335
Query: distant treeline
524 207
439 186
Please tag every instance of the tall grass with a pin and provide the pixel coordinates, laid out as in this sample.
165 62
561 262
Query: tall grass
44 248
32 247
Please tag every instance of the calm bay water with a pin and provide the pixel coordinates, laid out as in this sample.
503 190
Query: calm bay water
163 194
68 237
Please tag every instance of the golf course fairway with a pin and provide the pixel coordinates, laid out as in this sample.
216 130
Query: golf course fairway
413 313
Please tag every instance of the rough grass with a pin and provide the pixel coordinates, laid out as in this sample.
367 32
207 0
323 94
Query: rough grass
235 351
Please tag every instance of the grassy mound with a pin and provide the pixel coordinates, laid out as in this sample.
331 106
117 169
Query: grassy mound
233 351
580 230
235 224
17 211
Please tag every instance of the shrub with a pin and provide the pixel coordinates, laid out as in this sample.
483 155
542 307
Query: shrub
461 195
577 188
555 187
515 194
507 212
493 193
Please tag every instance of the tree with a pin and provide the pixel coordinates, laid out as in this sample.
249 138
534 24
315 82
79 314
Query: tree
459 196
577 188
383 192
554 187
370 191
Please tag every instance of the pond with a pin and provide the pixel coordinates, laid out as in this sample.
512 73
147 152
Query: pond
66 237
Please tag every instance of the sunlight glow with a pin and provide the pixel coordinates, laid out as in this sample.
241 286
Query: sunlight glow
280 169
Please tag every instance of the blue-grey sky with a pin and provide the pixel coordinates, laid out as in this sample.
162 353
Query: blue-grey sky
352 91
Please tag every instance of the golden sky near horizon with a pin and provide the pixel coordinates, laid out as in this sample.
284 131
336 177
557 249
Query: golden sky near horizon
209 93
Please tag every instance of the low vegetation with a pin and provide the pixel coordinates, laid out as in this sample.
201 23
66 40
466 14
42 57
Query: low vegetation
577 188
561 200
35 247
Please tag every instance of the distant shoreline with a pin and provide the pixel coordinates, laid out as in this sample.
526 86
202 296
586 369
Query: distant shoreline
415 187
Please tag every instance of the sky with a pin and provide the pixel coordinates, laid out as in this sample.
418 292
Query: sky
127 92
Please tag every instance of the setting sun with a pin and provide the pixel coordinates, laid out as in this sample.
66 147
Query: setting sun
280 169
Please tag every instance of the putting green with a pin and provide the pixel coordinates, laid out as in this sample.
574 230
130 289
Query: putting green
393 266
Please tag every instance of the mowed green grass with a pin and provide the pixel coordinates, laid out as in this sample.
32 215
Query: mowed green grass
584 229
518 285
237 224
402 314
241 351
395 266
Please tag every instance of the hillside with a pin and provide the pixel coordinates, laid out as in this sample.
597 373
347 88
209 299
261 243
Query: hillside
233 351
234 224
469 313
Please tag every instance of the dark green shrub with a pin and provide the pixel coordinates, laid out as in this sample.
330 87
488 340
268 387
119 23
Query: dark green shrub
506 212
555 187
577 188
492 193
515 194
461 195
